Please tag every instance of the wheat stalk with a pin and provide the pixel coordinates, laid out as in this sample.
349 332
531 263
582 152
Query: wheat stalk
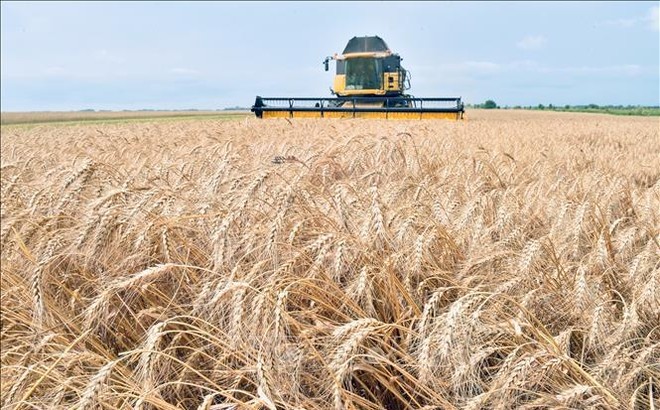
90 394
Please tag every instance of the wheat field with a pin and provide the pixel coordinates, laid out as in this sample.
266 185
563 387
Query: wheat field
508 261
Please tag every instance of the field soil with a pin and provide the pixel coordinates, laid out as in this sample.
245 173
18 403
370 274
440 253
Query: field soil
508 261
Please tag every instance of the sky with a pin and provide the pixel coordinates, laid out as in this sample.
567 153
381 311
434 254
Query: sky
205 55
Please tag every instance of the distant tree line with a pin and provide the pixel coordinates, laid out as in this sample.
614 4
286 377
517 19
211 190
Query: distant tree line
613 109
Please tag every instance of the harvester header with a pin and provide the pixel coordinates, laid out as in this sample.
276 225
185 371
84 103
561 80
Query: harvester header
369 82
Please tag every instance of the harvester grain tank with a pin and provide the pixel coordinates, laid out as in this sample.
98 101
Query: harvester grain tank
369 82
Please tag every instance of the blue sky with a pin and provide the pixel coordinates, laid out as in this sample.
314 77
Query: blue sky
125 55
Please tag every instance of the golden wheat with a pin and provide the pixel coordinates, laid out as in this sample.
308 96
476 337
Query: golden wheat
509 261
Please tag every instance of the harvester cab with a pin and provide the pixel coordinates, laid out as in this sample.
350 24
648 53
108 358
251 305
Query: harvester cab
367 67
369 82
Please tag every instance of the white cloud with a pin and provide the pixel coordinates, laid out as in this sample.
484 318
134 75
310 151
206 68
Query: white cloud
183 71
653 18
106 56
478 67
483 68
55 70
628 70
469 68
532 43
650 20
623 23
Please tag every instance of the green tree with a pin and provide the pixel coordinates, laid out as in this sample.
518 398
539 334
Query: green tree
490 104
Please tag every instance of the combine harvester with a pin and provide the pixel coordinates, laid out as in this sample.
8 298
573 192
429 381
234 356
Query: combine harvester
370 83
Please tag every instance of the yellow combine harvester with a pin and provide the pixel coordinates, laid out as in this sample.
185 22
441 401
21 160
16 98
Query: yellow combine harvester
369 83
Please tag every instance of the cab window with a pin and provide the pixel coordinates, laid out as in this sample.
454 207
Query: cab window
363 74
